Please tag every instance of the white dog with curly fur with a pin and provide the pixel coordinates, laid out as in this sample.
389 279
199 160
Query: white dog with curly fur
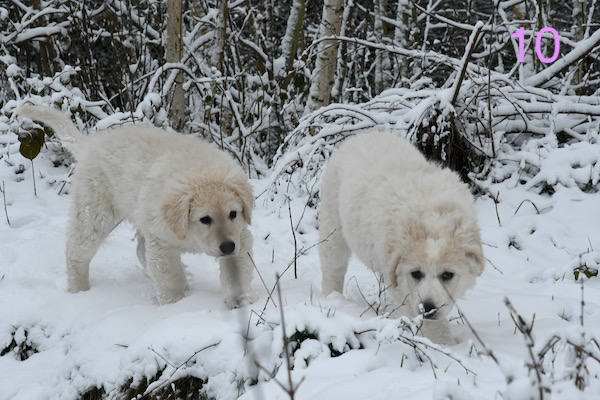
409 219
181 193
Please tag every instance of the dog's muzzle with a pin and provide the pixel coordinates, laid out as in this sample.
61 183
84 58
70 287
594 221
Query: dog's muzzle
429 310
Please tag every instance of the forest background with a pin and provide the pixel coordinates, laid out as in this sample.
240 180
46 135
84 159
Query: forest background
258 76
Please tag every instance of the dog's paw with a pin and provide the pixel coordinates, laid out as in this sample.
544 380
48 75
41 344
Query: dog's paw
77 285
168 297
237 301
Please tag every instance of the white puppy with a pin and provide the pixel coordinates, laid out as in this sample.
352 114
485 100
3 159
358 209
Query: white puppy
406 218
181 193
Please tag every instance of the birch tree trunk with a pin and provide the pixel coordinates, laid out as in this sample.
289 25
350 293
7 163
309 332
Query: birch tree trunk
337 92
293 34
174 54
324 73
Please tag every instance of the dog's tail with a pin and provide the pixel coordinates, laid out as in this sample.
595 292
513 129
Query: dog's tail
62 125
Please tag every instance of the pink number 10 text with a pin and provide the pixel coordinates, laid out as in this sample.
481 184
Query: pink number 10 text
520 34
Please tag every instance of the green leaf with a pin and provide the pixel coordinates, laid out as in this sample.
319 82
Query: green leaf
31 142
588 272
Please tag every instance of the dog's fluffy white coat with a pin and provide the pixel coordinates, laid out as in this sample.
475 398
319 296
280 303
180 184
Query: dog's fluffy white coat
181 193
407 218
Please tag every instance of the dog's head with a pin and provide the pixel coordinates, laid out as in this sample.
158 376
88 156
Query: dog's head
208 211
435 265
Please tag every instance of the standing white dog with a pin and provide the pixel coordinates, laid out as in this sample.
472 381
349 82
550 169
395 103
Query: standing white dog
181 193
406 218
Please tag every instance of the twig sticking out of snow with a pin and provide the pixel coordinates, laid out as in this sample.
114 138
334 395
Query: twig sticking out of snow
294 237
157 386
407 329
380 305
578 347
526 329
291 388
3 190
263 282
278 276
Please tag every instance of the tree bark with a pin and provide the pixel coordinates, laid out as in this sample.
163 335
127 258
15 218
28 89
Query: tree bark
382 62
324 73
293 34
581 29
174 53
402 38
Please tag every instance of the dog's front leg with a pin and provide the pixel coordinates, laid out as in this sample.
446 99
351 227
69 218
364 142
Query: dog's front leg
237 273
438 331
163 263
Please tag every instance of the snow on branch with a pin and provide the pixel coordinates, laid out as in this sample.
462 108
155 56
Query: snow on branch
579 52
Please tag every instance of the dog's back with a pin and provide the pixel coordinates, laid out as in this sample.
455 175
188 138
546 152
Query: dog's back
124 160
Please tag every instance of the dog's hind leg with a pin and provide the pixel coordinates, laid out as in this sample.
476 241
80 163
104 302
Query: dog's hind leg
92 218
163 264
334 252
141 248
237 273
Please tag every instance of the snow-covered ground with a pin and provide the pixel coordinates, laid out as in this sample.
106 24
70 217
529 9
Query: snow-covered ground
57 345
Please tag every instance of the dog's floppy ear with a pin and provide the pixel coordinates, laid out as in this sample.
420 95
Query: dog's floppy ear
394 269
468 235
243 190
176 212
475 255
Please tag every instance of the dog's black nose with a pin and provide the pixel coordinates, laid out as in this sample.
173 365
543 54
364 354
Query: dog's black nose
429 310
227 248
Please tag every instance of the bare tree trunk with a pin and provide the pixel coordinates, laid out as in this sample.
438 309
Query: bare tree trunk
221 90
382 62
341 75
324 73
219 53
402 38
293 34
581 28
174 44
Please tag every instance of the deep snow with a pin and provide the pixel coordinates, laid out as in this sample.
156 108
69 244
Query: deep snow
117 331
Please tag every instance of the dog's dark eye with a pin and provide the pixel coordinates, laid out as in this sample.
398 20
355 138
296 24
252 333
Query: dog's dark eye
232 215
447 275
206 220
417 275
